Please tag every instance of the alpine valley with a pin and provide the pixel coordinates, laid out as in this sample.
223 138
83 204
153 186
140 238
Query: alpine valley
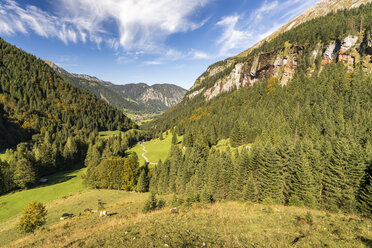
140 100
268 148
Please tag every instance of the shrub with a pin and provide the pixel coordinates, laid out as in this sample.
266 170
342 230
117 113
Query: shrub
33 217
152 204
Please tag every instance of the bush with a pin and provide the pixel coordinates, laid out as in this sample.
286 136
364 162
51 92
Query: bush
309 218
206 197
33 217
152 204
176 202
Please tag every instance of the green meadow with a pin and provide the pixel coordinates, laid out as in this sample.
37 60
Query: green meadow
60 184
156 149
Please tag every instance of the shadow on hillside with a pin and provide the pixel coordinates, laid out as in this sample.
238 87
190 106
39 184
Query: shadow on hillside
366 241
59 179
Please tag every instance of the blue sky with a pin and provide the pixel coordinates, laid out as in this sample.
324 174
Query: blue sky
151 41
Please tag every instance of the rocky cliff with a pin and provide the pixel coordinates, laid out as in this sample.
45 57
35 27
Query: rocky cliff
280 62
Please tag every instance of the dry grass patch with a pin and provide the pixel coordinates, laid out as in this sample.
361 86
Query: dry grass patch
229 224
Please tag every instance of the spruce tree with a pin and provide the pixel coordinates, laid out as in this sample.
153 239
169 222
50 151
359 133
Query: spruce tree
302 185
239 175
174 139
365 198
250 190
271 187
143 180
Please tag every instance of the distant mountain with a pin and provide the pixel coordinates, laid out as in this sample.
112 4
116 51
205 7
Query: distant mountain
133 98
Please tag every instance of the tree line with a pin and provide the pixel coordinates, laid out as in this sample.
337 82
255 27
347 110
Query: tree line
46 123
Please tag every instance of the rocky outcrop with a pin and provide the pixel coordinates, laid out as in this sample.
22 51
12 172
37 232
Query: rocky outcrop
169 97
330 53
348 43
283 64
211 71
195 93
348 53
254 66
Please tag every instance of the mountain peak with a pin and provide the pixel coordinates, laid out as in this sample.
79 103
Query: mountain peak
321 8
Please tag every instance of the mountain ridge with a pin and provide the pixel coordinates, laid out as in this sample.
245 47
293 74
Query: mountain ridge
259 62
139 98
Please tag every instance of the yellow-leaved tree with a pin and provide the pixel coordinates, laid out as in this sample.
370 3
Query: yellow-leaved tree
33 217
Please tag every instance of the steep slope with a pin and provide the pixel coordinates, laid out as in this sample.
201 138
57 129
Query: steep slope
343 37
162 96
320 9
133 98
281 58
301 117
55 118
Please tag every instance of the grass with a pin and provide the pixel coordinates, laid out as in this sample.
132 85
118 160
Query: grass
222 145
110 133
224 224
118 203
156 149
59 185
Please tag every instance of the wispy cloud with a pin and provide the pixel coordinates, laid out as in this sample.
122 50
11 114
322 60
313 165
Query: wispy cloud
232 37
239 32
139 25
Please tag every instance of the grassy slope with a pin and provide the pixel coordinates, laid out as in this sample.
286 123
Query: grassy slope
60 184
119 202
156 149
228 224
222 145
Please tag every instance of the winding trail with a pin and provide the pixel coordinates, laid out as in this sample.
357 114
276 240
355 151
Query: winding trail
143 155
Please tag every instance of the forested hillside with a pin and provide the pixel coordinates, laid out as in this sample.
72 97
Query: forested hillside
303 111
55 119
139 98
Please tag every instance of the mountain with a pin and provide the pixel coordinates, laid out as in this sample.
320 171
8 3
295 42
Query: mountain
309 42
54 120
133 98
281 59
289 122
320 9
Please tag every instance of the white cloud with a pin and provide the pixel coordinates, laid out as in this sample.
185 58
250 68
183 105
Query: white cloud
138 25
153 62
194 54
231 37
239 32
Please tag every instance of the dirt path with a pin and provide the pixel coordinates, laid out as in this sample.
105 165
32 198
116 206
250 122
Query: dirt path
143 155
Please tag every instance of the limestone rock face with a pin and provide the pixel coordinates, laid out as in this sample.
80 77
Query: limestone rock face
169 98
254 66
195 93
234 80
329 53
348 42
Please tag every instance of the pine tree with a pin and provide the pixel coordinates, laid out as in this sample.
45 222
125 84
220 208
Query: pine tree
239 175
236 136
365 198
24 173
271 187
70 149
174 139
336 192
302 185
143 180
250 190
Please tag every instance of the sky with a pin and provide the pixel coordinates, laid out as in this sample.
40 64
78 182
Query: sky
150 41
